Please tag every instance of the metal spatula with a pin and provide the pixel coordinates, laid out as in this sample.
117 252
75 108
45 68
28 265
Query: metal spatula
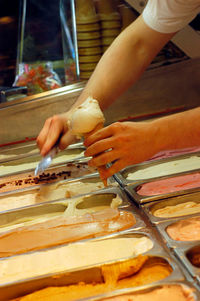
46 161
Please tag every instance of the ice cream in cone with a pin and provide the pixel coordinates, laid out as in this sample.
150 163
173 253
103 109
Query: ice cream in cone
86 120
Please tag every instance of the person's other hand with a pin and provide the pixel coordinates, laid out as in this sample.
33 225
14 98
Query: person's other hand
122 144
55 128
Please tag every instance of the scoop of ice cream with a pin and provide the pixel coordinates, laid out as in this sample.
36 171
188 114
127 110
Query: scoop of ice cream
86 117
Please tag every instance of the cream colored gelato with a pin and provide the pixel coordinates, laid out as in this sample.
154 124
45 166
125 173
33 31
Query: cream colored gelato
18 200
185 230
64 229
72 209
31 162
13 154
133 272
69 189
71 256
165 168
178 210
49 192
173 292
85 117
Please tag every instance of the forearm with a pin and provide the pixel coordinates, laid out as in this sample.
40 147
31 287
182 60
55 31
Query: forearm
177 131
123 63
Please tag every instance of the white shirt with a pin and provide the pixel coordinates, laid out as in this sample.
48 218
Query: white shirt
169 16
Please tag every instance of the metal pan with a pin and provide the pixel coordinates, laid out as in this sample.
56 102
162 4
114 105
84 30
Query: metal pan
171 243
84 274
150 208
145 289
73 169
18 151
39 193
29 161
92 199
121 177
95 200
182 255
140 199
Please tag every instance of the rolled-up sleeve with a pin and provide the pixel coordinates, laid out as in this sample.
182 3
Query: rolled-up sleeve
169 16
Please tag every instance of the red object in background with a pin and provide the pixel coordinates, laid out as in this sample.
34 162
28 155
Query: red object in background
17 142
38 78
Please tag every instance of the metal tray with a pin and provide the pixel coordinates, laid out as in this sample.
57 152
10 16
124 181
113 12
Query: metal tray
132 190
93 199
14 152
91 178
146 288
83 274
33 159
121 177
181 254
149 208
171 243
73 169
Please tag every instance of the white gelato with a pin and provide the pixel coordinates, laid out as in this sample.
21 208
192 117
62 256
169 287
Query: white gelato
71 256
86 117
31 162
165 168
49 192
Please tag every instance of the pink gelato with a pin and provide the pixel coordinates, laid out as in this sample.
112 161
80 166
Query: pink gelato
170 185
185 230
175 152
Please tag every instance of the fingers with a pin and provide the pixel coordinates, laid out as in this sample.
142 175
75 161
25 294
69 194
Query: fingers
98 135
102 170
99 147
50 133
43 133
115 167
66 140
105 158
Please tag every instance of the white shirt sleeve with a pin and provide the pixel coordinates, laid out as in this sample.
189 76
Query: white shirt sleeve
169 16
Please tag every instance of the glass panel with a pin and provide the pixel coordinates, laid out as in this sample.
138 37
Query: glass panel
46 49
57 38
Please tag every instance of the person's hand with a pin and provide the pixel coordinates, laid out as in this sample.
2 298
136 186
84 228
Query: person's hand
121 144
55 128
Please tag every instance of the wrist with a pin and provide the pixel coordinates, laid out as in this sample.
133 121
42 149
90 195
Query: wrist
162 134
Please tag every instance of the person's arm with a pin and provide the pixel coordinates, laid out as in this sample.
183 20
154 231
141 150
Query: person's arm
127 143
119 68
124 62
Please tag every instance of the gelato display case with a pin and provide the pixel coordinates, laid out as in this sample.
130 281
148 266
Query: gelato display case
63 234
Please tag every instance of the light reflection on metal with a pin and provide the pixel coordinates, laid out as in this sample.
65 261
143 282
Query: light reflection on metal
74 31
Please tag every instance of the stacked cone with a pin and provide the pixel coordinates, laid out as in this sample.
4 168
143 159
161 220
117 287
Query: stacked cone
109 20
88 37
